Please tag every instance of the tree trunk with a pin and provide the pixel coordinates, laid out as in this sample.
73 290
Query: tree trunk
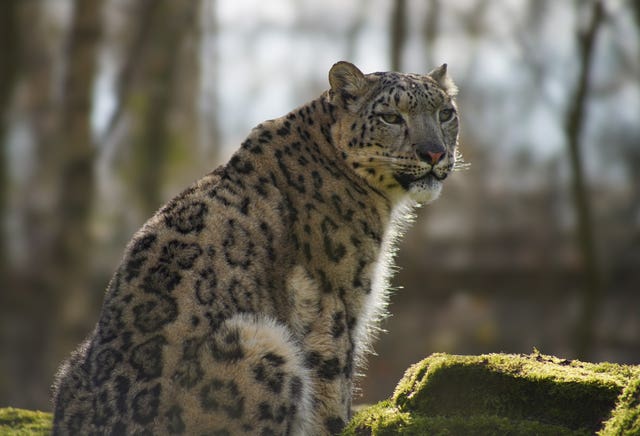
150 96
50 286
9 47
24 370
592 291
430 31
72 239
398 33
209 120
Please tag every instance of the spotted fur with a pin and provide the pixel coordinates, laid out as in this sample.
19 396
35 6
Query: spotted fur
246 304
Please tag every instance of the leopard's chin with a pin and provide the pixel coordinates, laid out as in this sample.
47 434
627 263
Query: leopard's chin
425 189
422 189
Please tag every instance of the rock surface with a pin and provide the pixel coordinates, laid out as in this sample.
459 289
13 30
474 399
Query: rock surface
501 394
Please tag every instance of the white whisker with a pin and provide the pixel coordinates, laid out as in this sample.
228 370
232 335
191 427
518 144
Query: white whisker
460 164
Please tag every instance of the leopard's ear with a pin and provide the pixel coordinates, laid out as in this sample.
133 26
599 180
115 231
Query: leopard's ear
444 80
347 82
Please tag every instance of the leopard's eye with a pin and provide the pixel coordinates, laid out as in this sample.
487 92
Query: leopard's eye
446 115
391 118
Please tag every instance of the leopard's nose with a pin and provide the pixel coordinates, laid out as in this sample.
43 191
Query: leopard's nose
430 152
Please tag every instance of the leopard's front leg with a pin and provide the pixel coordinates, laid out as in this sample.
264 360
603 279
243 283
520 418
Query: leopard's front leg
325 330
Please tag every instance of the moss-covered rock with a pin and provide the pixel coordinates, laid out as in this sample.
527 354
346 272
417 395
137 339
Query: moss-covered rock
495 394
501 394
19 422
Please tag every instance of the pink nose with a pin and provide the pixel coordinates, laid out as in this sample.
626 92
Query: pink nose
434 157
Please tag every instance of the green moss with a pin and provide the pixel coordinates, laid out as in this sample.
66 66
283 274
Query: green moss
24 422
508 394
398 423
496 394
625 419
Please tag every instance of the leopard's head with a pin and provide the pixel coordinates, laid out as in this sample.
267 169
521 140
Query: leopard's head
398 131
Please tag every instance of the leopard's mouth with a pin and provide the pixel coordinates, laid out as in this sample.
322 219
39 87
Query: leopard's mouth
429 179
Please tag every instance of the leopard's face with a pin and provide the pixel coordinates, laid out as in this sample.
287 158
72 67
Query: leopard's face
398 131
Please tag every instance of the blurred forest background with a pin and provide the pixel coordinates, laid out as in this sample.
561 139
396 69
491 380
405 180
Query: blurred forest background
111 107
